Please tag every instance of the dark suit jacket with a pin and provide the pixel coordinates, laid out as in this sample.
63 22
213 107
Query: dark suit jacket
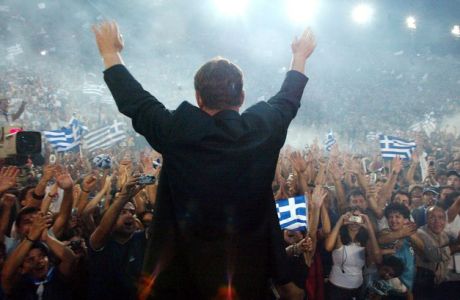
215 186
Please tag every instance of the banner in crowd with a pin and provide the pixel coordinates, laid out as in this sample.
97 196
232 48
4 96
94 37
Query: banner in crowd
292 213
67 138
391 147
329 141
64 139
105 137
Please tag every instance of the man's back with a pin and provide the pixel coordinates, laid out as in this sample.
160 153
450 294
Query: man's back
215 221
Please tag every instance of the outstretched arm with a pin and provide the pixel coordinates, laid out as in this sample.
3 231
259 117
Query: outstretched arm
101 235
110 43
149 116
302 48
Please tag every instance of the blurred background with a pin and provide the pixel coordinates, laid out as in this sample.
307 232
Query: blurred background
379 67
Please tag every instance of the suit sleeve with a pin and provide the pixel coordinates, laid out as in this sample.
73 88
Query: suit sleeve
149 116
287 100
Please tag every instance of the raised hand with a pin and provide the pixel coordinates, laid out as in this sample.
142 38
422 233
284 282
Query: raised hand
298 162
319 195
304 46
396 164
63 178
305 245
108 38
40 223
8 177
8 201
48 172
89 183
131 187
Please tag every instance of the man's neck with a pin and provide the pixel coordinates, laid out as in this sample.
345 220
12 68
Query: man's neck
212 112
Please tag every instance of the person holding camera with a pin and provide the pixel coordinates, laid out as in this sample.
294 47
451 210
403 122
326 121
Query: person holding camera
353 245
116 249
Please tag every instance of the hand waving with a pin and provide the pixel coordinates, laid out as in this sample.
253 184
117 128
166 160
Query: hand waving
304 46
8 178
108 38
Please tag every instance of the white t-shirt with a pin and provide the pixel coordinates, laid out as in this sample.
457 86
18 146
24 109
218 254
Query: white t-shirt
347 270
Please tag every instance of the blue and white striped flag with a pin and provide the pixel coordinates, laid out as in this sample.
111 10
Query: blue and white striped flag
329 141
64 139
78 126
292 213
105 137
391 147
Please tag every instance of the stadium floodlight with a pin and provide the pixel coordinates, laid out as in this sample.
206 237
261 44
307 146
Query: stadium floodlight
231 7
362 13
43 52
456 30
301 11
411 23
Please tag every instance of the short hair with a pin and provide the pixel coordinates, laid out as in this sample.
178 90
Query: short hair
395 263
401 192
354 193
397 208
42 246
431 209
219 83
25 211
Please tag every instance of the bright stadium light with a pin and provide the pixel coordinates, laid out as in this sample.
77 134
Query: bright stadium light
301 11
411 23
231 7
362 13
456 30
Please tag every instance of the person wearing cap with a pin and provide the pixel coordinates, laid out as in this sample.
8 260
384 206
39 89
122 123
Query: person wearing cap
116 249
429 198
28 272
453 179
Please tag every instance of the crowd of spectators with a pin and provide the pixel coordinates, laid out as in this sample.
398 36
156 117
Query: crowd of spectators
377 229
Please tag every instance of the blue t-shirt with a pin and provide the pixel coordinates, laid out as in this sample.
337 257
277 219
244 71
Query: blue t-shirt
407 255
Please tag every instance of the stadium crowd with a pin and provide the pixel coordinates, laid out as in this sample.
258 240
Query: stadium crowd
76 227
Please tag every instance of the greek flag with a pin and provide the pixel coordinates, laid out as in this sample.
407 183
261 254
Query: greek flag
391 147
329 141
78 126
105 137
64 139
292 213
67 138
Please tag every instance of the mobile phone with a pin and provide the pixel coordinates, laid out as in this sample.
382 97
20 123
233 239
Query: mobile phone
373 178
431 163
356 219
146 179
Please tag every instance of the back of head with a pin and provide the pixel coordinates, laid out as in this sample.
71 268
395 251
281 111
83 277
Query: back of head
219 84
